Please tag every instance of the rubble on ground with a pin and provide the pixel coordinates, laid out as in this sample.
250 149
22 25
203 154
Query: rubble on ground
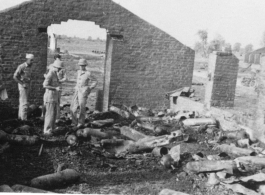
248 82
185 144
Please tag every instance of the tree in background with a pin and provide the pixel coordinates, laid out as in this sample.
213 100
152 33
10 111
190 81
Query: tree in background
205 48
217 43
248 48
227 47
202 46
237 47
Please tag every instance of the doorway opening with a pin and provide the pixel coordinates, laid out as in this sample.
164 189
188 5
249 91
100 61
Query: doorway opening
74 40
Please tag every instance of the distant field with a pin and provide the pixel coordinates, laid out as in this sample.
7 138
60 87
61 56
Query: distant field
81 48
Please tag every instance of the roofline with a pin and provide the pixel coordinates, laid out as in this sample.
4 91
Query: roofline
31 1
16 6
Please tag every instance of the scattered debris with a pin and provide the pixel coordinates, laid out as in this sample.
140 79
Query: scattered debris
23 130
211 166
174 152
248 81
221 175
40 149
253 161
199 121
72 140
61 130
212 180
5 188
60 167
111 142
160 151
4 147
131 133
148 119
141 137
171 192
140 111
198 156
243 143
160 114
123 113
260 177
87 132
26 189
146 144
240 189
233 150
236 135
56 180
19 139
183 114
147 126
162 129
167 161
102 123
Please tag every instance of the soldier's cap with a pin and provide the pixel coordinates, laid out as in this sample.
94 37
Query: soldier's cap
58 64
82 62
29 56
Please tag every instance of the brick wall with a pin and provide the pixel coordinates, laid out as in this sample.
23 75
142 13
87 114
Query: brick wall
222 77
259 124
146 63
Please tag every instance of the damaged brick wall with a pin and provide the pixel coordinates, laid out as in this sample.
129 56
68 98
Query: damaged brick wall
259 124
222 77
146 62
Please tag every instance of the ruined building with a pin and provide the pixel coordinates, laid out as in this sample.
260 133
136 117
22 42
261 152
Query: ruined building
142 61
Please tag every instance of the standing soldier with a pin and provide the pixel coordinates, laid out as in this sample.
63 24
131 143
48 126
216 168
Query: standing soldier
62 78
22 76
52 86
85 83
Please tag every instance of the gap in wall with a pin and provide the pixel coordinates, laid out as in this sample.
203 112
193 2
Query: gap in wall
76 39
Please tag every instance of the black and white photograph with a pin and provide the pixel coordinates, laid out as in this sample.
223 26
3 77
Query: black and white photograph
132 97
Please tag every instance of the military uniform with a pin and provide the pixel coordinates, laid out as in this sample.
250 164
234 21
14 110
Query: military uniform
51 98
23 73
62 77
85 82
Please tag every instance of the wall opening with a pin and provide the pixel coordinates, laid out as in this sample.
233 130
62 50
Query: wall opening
42 30
74 40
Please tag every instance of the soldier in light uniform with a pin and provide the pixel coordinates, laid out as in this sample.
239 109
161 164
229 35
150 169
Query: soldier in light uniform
62 78
51 96
85 83
23 76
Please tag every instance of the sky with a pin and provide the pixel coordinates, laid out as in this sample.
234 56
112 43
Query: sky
235 20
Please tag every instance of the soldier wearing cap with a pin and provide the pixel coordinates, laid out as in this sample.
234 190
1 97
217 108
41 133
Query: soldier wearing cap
62 78
51 96
85 83
23 76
